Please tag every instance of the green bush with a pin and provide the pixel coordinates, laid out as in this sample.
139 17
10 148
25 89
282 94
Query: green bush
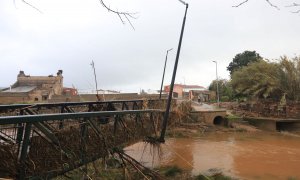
225 98
172 171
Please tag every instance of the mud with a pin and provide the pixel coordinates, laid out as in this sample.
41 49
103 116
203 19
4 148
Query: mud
243 155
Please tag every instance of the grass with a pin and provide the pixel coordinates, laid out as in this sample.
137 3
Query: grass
233 118
170 171
214 177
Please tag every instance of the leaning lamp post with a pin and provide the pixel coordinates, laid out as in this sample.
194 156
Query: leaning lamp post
162 81
166 115
217 79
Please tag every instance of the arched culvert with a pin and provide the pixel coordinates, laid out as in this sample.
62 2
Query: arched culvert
219 120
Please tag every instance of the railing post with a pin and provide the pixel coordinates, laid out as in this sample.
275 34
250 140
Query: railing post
83 135
20 131
61 122
124 106
90 107
134 106
23 155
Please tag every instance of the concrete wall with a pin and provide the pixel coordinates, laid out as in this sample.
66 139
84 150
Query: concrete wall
268 125
178 89
288 126
274 124
210 116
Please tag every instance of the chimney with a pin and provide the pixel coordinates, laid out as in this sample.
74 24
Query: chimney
59 73
21 74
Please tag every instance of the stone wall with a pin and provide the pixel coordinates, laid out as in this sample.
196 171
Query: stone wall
10 98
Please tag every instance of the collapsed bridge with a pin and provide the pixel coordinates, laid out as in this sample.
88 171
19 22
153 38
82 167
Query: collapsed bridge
47 140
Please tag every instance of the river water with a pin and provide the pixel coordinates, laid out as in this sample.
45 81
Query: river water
259 155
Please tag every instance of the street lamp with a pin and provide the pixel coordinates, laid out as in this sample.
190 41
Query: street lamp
218 95
166 114
162 81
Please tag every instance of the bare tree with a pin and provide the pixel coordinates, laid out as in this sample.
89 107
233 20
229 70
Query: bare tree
123 15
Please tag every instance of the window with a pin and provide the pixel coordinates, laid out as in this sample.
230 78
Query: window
45 98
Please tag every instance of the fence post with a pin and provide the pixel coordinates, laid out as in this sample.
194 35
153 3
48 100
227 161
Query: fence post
23 155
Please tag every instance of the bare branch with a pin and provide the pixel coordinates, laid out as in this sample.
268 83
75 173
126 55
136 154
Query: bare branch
32 6
241 3
130 23
293 5
121 18
272 4
296 11
120 14
245 1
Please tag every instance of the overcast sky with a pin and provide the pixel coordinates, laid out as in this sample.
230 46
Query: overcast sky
69 34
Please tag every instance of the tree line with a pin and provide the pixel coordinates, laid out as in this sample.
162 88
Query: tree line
252 76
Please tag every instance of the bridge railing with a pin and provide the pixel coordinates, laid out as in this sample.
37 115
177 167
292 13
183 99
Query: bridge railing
44 108
47 145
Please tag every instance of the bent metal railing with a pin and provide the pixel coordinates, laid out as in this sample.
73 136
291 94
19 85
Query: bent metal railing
46 145
17 109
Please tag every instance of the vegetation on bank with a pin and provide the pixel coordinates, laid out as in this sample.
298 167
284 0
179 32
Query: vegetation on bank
255 77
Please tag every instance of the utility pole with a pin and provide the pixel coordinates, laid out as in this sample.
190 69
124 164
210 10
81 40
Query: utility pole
93 66
162 81
166 115
217 79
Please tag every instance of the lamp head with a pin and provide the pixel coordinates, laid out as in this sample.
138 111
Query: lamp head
183 2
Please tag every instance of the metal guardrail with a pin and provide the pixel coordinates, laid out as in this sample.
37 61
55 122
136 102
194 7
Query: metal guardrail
20 129
88 103
48 117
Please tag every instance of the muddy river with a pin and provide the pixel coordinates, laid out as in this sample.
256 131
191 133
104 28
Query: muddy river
258 155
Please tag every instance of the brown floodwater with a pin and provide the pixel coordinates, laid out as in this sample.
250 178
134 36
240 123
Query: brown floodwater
242 155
